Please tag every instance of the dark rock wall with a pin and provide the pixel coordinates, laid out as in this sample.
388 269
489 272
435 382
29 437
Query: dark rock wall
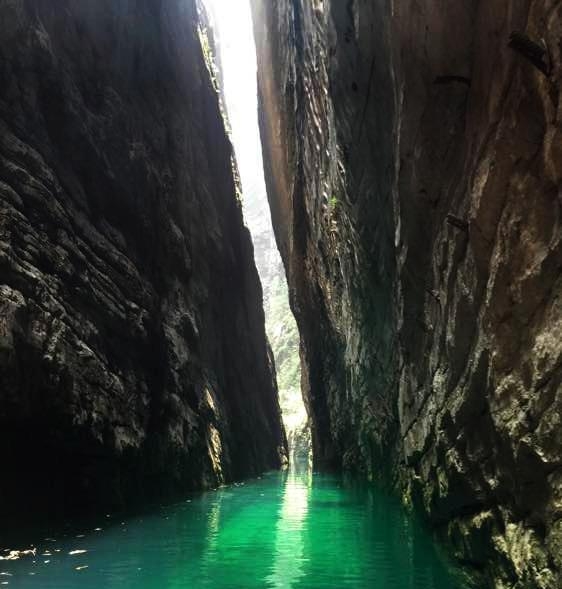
414 167
133 359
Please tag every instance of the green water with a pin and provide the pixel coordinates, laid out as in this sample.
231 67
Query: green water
284 531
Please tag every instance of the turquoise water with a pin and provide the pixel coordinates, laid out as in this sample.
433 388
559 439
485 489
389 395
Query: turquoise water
281 531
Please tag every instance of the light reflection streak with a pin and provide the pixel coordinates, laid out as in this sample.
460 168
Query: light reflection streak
289 545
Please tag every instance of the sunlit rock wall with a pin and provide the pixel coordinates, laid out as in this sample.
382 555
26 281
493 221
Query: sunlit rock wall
133 358
414 168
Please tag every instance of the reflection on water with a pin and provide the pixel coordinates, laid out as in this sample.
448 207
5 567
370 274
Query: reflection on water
289 544
287 530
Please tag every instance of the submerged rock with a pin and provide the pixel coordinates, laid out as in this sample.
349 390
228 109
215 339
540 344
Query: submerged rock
414 171
133 358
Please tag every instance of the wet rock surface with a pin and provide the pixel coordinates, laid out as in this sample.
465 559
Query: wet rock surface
413 160
133 357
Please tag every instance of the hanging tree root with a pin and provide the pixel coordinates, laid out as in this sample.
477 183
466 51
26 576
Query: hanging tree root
534 52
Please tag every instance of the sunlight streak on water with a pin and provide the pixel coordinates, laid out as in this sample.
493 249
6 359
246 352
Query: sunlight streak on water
289 552
286 530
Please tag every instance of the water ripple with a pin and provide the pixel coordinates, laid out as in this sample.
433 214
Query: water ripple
284 531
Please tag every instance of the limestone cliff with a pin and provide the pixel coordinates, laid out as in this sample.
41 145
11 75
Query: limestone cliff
414 160
133 358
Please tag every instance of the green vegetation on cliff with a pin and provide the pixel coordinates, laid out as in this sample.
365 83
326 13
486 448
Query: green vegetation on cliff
283 335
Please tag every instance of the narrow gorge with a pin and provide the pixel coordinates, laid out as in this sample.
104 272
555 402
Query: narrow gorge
157 399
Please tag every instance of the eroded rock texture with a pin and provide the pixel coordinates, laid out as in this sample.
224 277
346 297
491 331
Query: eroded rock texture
133 360
414 175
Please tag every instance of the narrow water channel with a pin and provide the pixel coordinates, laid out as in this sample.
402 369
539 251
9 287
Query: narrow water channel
284 530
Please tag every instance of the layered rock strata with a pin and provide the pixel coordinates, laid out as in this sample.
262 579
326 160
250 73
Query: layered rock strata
133 357
414 162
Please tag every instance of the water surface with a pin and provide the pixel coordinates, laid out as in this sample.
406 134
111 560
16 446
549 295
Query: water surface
285 530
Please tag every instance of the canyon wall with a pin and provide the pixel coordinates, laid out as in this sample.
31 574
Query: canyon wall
414 161
133 357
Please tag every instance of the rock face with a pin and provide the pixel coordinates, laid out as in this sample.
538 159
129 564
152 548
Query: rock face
414 166
133 358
